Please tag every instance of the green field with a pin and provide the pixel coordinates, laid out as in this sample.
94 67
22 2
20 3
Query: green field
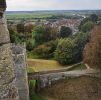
45 14
42 65
36 65
27 15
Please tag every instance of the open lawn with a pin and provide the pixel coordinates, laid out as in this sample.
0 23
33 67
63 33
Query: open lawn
36 65
42 65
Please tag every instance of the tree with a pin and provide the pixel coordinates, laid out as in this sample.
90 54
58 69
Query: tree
28 27
20 28
14 37
70 50
80 41
88 26
39 35
94 17
43 34
30 44
64 51
65 32
83 22
46 50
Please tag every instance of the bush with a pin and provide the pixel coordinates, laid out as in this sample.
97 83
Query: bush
64 51
46 50
43 34
30 44
87 26
80 41
65 32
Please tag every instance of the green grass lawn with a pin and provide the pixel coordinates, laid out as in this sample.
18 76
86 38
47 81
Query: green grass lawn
36 65
42 65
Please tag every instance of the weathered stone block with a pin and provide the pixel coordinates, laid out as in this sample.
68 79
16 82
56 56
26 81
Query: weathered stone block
4 34
19 58
8 89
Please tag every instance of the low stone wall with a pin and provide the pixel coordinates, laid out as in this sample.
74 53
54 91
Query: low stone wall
44 80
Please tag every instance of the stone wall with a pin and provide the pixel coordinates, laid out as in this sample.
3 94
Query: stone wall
8 89
47 79
19 57
80 88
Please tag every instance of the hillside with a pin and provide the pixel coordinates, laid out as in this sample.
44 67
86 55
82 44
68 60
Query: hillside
83 88
43 65
92 51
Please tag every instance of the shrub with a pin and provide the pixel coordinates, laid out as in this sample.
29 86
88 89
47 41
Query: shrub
87 26
65 32
46 50
43 34
64 51
30 44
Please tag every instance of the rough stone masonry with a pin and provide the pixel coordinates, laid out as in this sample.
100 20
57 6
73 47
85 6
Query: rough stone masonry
19 58
13 74
8 90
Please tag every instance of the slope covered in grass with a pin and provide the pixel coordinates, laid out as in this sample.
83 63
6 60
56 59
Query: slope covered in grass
43 65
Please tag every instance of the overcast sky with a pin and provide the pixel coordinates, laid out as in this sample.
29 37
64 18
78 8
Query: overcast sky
30 5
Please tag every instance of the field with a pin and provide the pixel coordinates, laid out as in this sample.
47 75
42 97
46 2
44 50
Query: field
25 15
42 65
44 14
36 65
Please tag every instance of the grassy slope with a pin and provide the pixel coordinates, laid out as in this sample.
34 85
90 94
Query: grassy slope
36 65
43 65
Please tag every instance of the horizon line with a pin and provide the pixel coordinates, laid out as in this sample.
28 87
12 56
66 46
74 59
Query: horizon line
57 10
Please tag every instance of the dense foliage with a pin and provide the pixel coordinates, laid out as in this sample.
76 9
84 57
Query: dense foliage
65 32
48 42
46 50
88 23
88 26
43 34
70 50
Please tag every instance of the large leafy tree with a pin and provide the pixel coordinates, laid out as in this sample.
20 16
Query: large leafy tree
70 50
43 34
39 34
88 26
64 51
88 22
65 32
94 17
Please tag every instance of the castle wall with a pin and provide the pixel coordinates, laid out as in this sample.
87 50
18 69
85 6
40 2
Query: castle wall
8 89
19 57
